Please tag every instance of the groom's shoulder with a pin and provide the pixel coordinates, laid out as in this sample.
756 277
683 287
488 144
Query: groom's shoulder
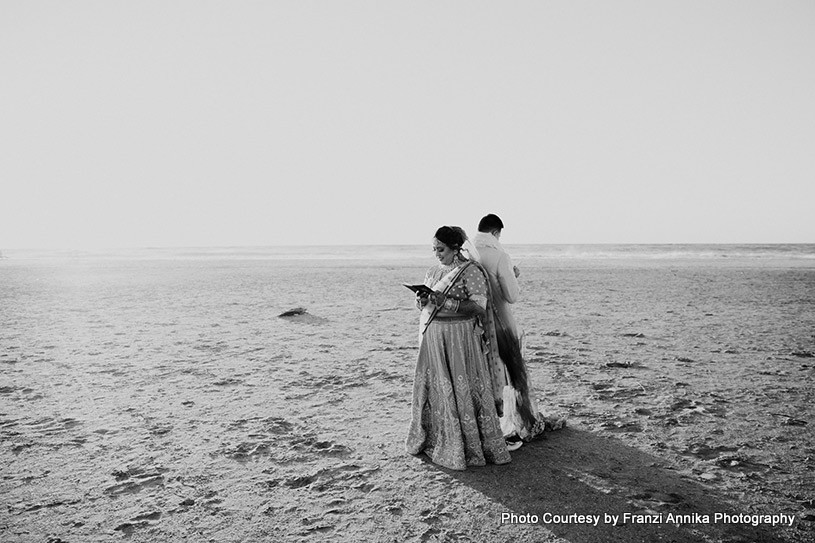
487 249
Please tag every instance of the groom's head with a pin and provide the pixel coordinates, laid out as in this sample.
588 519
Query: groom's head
491 224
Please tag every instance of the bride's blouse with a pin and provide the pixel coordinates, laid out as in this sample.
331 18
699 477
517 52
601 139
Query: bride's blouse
470 285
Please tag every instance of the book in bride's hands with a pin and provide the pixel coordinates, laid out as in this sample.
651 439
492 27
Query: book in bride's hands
422 290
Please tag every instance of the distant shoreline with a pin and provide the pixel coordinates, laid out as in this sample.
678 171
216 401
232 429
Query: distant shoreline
521 253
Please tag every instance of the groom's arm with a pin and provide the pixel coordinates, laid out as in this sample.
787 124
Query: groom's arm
506 278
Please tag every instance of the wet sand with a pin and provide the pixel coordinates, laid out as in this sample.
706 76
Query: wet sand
165 400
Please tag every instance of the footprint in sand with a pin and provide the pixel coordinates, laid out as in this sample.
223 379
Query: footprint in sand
134 480
137 522
652 499
739 463
21 393
706 452
622 426
279 439
327 383
343 476
608 392
50 426
431 532
46 431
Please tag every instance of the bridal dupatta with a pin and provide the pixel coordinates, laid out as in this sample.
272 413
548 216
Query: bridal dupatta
489 337
509 349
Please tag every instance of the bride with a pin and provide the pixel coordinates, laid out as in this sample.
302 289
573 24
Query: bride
459 380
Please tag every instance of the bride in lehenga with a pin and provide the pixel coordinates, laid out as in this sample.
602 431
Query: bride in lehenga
470 372
459 380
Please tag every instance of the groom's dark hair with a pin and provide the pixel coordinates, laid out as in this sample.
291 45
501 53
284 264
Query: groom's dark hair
490 222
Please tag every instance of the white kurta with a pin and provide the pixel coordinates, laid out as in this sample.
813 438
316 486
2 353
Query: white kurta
505 286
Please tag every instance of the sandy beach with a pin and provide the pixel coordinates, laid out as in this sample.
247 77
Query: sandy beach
165 400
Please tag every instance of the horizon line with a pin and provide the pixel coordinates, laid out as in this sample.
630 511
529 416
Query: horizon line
316 245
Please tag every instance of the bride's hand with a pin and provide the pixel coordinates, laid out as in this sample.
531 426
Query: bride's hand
437 298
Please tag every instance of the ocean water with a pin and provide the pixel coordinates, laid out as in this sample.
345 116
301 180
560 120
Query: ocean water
802 254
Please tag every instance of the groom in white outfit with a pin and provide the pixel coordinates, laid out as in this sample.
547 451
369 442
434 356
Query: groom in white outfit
503 275
504 282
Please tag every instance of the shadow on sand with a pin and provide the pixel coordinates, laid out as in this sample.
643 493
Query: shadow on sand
576 472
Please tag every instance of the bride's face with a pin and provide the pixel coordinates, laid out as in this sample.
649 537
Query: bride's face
444 253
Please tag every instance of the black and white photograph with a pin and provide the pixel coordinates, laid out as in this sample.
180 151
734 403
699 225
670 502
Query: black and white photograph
344 271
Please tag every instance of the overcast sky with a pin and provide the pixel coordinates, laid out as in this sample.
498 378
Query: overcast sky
201 123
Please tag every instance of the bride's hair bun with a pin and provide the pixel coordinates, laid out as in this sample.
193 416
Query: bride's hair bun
452 236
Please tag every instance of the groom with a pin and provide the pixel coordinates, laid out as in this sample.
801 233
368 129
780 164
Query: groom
504 285
503 275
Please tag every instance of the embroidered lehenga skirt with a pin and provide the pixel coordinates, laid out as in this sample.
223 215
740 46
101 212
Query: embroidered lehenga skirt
454 420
